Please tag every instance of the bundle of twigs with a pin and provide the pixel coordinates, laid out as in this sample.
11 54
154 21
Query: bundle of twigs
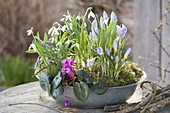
155 99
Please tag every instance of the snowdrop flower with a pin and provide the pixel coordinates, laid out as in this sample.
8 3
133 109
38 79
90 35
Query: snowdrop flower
30 31
32 46
91 14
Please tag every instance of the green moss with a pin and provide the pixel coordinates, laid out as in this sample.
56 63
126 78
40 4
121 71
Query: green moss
129 74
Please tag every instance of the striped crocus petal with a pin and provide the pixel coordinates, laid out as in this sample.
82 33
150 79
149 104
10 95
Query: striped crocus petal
113 16
121 30
90 63
99 50
101 21
107 51
105 15
117 59
115 45
127 53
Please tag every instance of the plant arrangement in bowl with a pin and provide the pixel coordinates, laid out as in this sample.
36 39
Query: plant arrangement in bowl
84 62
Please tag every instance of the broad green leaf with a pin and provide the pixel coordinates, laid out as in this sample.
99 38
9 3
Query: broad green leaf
56 81
81 91
57 92
44 82
99 88
82 74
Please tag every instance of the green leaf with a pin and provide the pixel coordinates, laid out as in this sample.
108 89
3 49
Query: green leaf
81 91
31 51
82 74
88 80
57 92
99 88
44 82
45 38
56 81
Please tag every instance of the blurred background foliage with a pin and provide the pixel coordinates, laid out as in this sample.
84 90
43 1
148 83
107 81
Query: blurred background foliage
17 16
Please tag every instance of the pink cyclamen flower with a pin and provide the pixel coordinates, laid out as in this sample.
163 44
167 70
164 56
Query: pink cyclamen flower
67 64
66 101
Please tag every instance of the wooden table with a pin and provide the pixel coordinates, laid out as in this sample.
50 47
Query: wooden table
30 98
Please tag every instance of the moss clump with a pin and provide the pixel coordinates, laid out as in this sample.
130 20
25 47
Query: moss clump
129 74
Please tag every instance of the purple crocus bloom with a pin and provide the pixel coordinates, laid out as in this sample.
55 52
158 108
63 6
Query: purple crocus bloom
91 36
101 21
121 30
95 26
117 59
105 16
99 50
113 16
115 45
127 53
66 101
107 51
90 63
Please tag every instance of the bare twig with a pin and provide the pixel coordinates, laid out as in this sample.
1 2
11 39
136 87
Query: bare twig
157 38
160 68
35 104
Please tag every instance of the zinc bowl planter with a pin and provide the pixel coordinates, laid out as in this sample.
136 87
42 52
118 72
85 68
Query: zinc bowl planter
114 95
84 67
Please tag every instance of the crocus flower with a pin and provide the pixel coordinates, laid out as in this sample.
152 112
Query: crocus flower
95 26
66 101
105 17
101 21
107 51
113 16
127 53
117 59
105 14
99 50
115 45
91 36
90 63
121 30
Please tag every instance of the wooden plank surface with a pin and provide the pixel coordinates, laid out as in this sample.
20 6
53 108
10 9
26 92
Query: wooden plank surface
30 94
26 99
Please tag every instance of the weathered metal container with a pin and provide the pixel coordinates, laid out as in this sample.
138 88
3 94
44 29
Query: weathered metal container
114 95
